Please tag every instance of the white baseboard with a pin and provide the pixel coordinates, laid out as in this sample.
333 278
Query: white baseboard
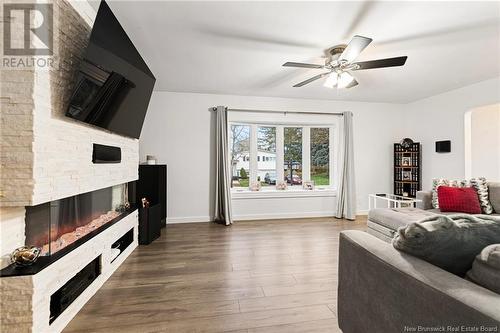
247 217
188 219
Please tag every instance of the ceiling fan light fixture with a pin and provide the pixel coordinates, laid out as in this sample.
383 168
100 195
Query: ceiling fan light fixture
339 63
344 80
331 80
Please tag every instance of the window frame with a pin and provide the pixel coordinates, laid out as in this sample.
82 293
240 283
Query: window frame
306 122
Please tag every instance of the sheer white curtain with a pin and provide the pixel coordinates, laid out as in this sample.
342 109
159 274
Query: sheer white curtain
222 176
346 197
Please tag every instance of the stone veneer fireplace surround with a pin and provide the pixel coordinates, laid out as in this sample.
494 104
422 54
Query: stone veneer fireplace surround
46 156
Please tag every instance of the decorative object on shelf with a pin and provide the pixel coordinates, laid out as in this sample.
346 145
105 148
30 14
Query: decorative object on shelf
255 186
443 146
406 161
281 186
308 185
407 168
115 252
25 255
150 159
406 175
145 203
406 143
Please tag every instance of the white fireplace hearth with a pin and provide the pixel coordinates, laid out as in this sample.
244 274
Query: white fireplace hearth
25 300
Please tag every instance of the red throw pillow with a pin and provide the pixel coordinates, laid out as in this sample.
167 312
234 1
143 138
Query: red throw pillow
458 199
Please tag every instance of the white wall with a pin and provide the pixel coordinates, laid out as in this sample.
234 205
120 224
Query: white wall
484 134
441 117
178 130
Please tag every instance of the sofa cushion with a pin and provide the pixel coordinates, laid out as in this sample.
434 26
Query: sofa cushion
486 268
393 218
481 186
494 190
442 182
454 199
449 242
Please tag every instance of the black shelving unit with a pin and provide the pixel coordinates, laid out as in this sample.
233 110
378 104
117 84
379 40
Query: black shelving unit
407 170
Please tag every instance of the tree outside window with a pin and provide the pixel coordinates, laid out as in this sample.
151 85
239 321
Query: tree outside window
266 147
320 156
293 155
239 146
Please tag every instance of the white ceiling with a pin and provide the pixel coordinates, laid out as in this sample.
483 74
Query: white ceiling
239 47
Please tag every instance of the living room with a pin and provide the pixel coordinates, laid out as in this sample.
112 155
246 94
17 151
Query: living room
296 149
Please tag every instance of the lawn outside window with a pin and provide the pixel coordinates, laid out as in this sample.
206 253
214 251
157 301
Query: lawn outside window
296 148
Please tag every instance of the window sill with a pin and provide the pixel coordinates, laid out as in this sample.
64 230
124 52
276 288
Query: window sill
289 193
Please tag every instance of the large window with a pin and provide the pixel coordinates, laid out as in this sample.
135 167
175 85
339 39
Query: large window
274 154
239 147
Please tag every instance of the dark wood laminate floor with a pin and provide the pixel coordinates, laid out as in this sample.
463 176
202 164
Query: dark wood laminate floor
256 276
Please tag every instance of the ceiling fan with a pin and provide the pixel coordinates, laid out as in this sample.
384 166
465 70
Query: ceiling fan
339 63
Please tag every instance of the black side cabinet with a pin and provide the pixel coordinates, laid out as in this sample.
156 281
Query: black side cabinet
149 224
152 185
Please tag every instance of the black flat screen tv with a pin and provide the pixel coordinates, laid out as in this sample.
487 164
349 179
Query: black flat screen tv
114 84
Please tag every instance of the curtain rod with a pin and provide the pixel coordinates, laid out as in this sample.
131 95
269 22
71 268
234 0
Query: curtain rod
285 112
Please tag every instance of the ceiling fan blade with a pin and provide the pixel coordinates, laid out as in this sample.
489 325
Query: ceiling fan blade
353 83
380 63
314 78
354 48
302 65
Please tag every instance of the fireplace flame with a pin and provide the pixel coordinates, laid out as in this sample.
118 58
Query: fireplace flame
71 236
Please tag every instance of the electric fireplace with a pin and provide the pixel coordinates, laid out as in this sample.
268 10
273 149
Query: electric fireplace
56 225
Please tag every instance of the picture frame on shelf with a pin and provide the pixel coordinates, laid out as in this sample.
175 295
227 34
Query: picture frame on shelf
406 175
281 186
255 186
308 185
406 161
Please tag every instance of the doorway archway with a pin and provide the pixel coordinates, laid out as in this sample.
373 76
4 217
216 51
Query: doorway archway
482 142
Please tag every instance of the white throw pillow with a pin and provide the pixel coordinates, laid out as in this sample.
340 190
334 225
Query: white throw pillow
481 186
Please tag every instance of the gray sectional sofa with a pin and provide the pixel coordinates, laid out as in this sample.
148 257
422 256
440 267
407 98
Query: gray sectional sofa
384 290
384 222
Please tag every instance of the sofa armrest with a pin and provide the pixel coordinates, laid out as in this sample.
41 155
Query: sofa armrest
384 290
426 197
